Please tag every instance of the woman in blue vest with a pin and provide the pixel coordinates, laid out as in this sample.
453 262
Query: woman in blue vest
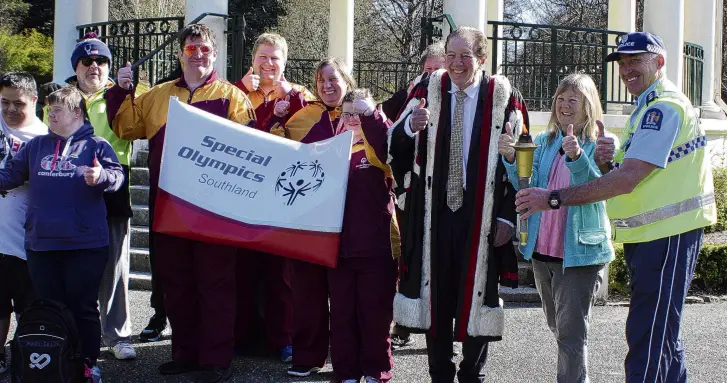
569 247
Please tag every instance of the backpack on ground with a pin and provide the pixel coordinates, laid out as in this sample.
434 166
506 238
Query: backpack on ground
46 347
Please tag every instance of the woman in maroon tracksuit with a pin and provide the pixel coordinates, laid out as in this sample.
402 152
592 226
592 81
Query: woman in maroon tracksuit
363 285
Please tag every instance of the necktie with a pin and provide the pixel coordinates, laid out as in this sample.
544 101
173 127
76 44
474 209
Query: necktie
454 180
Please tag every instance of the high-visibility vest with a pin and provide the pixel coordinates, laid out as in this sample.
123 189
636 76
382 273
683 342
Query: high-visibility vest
673 200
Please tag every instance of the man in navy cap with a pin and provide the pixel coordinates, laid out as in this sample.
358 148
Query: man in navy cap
91 59
659 196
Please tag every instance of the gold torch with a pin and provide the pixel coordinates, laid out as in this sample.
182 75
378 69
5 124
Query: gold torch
524 149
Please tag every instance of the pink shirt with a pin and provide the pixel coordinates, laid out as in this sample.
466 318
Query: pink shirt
551 234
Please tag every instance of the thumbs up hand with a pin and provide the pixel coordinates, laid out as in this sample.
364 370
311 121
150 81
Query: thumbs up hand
605 147
380 109
93 174
125 76
506 144
570 145
250 80
282 107
282 87
419 117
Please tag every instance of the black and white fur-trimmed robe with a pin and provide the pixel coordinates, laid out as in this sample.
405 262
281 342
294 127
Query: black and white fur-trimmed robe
415 163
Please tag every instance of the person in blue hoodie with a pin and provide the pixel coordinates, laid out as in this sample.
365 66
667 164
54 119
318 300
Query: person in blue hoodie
67 237
569 247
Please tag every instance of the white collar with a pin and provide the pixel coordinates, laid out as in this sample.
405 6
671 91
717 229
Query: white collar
471 90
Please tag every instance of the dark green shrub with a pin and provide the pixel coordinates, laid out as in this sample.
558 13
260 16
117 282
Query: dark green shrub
710 274
720 193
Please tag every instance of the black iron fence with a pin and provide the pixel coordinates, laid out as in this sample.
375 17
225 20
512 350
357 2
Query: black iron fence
693 72
130 40
536 57
382 78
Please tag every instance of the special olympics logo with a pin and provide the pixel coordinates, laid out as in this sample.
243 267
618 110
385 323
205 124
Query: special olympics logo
299 180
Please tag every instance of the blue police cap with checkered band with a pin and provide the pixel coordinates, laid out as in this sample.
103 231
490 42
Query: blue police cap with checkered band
638 42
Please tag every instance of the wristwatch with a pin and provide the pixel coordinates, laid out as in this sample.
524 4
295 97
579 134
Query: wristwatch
554 199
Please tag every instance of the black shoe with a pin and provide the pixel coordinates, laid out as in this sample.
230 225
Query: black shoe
213 375
398 341
154 330
303 370
176 368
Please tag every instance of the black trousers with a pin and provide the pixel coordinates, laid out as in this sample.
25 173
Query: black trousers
452 231
157 294
73 278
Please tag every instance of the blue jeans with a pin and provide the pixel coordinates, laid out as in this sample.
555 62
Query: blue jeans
73 277
661 272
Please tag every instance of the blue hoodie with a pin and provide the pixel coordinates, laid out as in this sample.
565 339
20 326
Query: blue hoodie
64 213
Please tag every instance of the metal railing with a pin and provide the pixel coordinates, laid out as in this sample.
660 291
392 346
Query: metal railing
382 78
693 72
131 40
536 57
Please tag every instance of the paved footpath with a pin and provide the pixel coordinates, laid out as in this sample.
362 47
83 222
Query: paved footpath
527 355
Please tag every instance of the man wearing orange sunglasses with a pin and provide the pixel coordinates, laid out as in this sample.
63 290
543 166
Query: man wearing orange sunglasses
198 278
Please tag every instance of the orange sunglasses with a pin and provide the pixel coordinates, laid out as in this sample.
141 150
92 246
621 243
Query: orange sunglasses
190 49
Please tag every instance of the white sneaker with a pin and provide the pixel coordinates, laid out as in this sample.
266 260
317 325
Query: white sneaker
123 351
350 381
371 379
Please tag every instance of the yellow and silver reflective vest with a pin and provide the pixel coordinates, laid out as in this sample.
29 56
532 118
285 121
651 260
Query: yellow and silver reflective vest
671 200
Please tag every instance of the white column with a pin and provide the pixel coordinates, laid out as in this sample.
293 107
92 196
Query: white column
100 11
621 18
495 12
701 20
340 31
217 24
665 18
68 15
467 13
622 15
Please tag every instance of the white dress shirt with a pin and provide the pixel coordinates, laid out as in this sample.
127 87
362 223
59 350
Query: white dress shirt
470 107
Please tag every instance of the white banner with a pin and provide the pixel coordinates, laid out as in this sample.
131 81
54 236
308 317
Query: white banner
254 177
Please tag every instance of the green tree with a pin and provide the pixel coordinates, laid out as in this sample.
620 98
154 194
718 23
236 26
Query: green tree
12 14
29 51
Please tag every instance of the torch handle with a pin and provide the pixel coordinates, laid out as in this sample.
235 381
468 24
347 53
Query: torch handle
523 183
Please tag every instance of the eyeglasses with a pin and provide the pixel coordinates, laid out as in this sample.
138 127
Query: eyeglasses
87 61
190 49
346 115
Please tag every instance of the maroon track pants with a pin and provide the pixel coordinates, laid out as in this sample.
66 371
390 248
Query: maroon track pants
198 280
362 309
270 274
310 314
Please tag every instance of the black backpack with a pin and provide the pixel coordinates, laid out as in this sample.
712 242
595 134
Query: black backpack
46 347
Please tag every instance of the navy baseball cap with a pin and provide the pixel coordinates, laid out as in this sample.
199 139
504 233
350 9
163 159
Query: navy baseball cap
638 42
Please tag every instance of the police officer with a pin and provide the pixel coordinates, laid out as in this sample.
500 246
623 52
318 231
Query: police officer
659 196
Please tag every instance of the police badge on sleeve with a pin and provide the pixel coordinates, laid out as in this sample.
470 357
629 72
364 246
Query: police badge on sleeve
652 119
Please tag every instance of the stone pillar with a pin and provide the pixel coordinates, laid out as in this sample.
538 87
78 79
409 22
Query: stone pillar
68 15
100 11
466 13
621 18
340 31
217 24
665 18
701 21
495 12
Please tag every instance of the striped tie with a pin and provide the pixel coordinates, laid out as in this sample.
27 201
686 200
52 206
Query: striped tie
454 180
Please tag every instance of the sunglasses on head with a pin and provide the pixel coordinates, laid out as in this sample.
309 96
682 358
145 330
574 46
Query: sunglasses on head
190 49
87 61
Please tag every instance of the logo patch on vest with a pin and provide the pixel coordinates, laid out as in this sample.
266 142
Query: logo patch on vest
652 119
